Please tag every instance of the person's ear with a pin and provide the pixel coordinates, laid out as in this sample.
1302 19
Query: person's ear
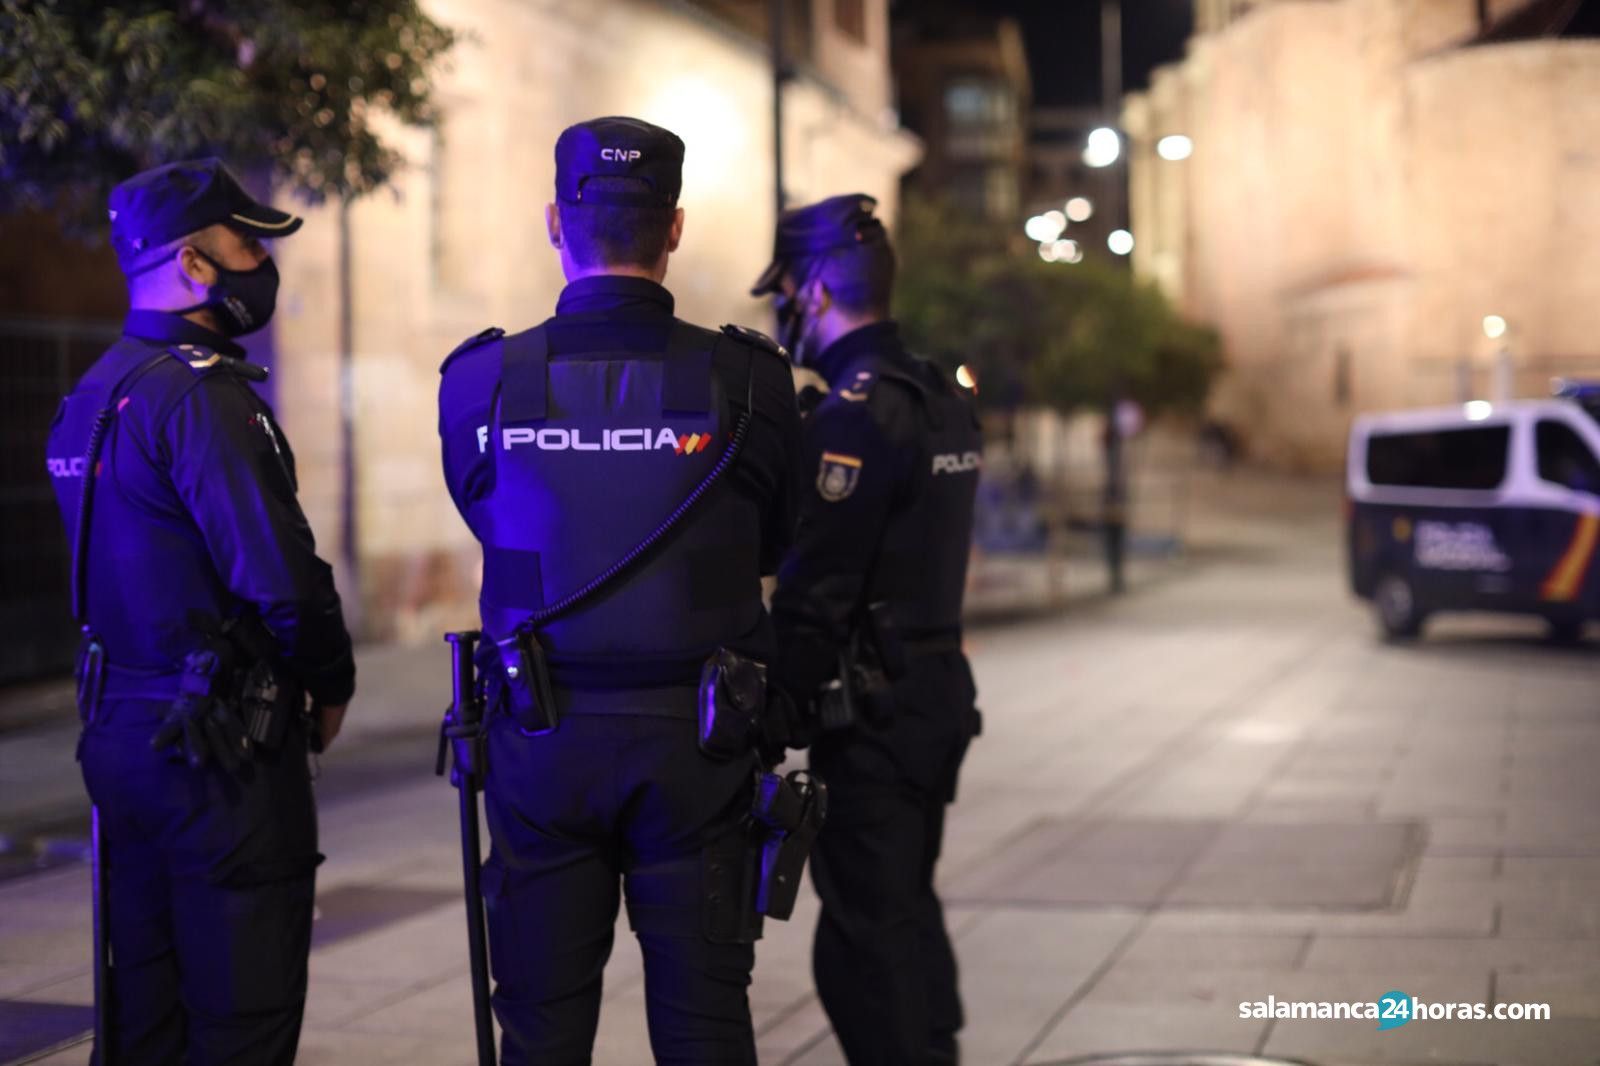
552 224
675 231
195 268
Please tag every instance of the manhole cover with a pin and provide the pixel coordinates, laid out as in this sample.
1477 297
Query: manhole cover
1176 1058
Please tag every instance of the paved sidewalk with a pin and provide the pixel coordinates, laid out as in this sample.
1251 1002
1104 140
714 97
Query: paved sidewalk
1215 790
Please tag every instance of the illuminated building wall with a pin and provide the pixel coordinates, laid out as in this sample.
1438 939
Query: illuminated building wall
461 245
1369 179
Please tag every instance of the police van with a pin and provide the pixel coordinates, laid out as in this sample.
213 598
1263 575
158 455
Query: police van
1478 507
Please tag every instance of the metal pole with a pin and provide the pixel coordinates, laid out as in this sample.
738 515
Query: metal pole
1111 101
104 1055
775 15
348 528
466 712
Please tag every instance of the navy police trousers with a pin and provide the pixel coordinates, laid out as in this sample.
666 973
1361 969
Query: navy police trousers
884 967
611 804
209 895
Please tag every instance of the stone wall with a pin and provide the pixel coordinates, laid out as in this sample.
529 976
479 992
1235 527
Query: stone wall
1363 191
460 245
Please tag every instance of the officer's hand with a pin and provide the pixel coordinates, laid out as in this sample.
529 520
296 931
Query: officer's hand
330 719
784 725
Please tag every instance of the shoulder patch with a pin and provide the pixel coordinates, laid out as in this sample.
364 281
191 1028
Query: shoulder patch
490 334
756 339
838 476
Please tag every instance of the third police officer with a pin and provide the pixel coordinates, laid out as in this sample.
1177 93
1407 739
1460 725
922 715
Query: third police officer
630 478
868 609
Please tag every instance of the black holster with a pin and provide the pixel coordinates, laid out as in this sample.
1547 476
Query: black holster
733 691
864 688
530 698
90 674
265 696
792 809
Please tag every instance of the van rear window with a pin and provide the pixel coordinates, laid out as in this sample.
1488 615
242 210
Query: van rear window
1473 458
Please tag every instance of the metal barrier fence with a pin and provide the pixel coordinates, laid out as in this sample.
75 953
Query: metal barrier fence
40 359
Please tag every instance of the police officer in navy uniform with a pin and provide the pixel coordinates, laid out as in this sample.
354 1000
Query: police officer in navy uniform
868 610
197 570
565 447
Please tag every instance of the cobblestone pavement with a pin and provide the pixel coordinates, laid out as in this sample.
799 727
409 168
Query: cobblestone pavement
1219 788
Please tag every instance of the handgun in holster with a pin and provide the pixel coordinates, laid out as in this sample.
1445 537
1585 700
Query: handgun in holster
266 697
530 698
792 810
864 688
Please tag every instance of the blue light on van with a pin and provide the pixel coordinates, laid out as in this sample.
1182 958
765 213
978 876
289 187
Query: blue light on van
1477 410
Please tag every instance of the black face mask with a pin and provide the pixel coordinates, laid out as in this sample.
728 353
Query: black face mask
244 299
795 328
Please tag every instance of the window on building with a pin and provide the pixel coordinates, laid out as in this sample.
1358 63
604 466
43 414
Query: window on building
1440 459
850 17
975 103
1564 458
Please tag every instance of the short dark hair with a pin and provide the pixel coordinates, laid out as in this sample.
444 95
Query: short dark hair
600 235
860 279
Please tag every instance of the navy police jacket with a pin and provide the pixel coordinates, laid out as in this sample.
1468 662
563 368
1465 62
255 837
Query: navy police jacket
195 518
566 445
893 453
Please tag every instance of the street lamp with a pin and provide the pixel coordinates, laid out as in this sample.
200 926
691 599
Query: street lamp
1045 227
1103 149
1120 241
1174 147
1079 209
1494 327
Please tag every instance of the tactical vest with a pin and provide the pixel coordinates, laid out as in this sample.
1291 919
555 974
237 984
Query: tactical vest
921 570
151 574
590 454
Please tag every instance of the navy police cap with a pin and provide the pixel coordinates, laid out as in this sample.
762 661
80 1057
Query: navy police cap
806 232
619 147
160 205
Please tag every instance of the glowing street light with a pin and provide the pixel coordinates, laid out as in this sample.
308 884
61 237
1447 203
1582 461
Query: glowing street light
1068 252
1047 251
1120 241
1494 327
1174 147
965 379
1079 209
1045 227
1103 148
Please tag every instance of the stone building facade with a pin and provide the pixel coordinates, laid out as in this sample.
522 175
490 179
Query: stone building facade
1369 180
460 244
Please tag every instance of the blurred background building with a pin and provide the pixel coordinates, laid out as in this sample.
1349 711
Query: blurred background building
460 245
964 88
1369 181
463 245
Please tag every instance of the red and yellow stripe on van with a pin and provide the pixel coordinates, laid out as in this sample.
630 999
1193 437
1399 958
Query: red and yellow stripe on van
1561 585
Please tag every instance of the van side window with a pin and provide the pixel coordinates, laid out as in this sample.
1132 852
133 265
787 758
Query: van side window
1565 459
1473 458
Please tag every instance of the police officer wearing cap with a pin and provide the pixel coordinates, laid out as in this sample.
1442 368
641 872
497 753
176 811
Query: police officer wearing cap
614 425
208 619
868 611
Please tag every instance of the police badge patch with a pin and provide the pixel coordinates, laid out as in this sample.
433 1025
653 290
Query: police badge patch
838 476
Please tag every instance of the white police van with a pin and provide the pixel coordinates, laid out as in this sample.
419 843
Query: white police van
1478 507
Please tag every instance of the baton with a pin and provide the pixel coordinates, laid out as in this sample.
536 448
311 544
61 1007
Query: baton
466 710
102 942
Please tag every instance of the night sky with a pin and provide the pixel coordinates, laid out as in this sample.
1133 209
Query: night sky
1063 39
